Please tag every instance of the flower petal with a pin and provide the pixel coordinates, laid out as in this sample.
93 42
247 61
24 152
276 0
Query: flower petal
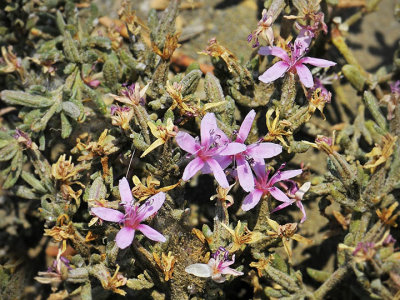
187 142
125 237
279 176
273 73
303 189
108 214
263 150
252 199
276 51
219 174
232 148
246 178
245 127
125 192
305 75
192 168
150 207
207 128
259 169
199 270
231 272
301 206
278 194
283 205
318 62
151 233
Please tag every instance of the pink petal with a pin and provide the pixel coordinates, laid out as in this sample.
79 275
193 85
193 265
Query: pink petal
305 75
192 168
150 207
323 63
252 199
187 142
218 173
263 150
125 237
279 176
125 192
150 233
207 127
230 271
246 126
259 169
108 214
278 194
301 206
245 175
283 205
232 148
276 51
273 73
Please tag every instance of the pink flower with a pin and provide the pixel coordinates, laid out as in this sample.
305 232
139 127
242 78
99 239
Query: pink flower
134 215
254 153
265 185
214 143
294 62
295 196
216 267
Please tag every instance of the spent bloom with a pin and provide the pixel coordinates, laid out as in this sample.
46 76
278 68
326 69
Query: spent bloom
263 30
293 61
214 143
265 185
254 153
393 99
133 217
216 267
296 195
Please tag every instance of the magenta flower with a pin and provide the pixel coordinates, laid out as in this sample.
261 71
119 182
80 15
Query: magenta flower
216 267
265 185
214 143
294 62
254 153
295 196
134 215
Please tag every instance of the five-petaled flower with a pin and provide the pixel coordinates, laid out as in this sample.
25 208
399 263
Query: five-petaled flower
295 196
265 185
214 144
216 267
254 153
133 216
293 62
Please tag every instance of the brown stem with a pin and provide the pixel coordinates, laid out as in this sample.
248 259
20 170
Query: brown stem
331 282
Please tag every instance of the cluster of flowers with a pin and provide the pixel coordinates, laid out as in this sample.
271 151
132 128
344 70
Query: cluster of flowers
214 152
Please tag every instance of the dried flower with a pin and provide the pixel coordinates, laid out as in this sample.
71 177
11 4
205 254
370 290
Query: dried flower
121 116
386 215
12 62
241 235
262 264
162 133
171 43
132 94
296 196
216 267
276 130
393 99
265 185
134 215
174 90
213 143
286 232
318 97
222 195
166 264
112 283
142 192
263 30
294 62
381 153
